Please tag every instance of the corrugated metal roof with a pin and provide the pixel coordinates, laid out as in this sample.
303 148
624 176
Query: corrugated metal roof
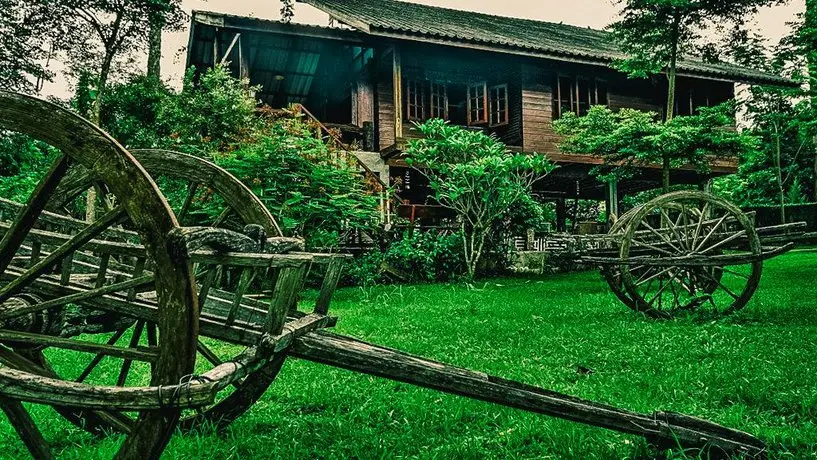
386 17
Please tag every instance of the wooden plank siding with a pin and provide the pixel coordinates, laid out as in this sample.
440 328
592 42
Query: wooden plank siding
385 103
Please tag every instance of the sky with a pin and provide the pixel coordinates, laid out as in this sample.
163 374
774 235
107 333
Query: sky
771 22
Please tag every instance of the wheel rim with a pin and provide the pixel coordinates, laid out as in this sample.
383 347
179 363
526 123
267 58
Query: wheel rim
702 228
200 181
83 144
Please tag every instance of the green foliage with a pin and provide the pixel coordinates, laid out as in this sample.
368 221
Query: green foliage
214 112
630 139
653 33
23 161
476 176
302 181
25 51
308 187
415 257
427 256
133 112
782 169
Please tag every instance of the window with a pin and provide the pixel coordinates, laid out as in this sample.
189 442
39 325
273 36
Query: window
415 100
439 100
498 105
689 100
577 95
477 107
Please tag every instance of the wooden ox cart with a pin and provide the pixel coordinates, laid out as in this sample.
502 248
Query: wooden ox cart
688 250
136 324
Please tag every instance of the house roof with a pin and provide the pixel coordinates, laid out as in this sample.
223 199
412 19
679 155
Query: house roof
403 20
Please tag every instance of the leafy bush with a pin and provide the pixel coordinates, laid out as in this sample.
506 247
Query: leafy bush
211 113
419 257
302 181
427 256
23 161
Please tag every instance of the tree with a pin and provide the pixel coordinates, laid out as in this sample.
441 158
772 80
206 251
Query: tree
630 139
28 31
114 29
300 178
287 10
476 176
656 34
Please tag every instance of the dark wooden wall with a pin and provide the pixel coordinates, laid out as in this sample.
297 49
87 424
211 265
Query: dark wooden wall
384 99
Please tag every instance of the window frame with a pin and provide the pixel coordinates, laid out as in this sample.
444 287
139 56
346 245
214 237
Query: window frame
433 111
413 100
496 110
560 95
483 86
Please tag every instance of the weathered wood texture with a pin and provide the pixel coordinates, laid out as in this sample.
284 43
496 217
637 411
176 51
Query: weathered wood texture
385 110
177 315
358 356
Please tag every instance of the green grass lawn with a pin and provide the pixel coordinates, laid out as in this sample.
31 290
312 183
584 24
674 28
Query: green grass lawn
755 371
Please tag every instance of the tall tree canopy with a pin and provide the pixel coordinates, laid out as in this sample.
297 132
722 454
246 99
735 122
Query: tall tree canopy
112 30
656 34
631 139
27 31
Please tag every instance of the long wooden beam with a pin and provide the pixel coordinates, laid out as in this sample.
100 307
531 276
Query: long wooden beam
660 427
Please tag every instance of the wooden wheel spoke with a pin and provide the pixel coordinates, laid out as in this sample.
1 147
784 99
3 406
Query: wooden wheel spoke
27 217
26 428
222 217
653 247
98 358
711 232
61 253
662 236
698 228
722 286
673 226
79 297
134 353
126 364
732 272
188 200
656 275
658 294
724 241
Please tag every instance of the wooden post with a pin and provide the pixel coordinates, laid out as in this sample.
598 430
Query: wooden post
705 185
561 215
611 201
243 62
216 47
368 136
397 66
330 283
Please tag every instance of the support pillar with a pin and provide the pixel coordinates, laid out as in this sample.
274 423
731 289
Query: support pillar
611 201
561 215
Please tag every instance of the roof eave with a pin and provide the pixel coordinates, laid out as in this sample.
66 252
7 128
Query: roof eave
578 58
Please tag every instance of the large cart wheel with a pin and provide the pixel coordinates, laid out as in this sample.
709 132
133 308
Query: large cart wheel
202 184
612 273
689 250
44 274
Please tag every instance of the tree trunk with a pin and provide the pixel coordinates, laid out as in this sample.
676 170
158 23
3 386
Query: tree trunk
809 39
672 75
778 166
154 70
96 117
